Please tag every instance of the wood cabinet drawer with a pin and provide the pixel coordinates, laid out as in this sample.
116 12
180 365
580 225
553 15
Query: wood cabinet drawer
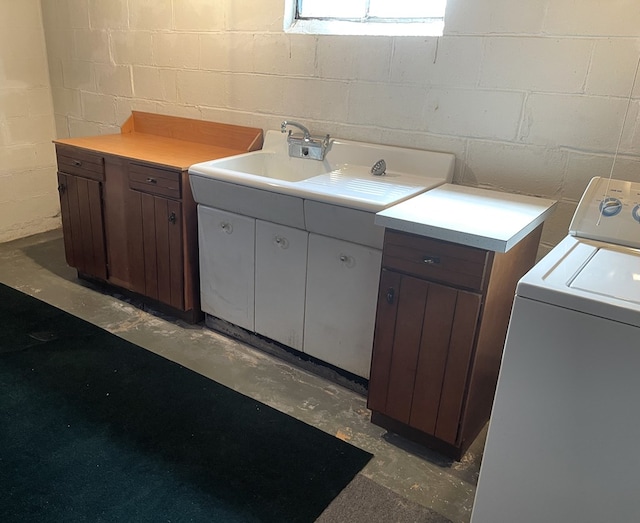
436 260
80 163
154 180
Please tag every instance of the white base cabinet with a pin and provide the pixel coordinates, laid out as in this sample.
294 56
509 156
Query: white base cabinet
340 308
227 265
307 291
281 270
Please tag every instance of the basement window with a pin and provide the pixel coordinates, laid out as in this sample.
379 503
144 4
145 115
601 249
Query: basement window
365 17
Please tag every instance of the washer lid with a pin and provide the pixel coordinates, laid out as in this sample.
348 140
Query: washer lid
588 276
611 273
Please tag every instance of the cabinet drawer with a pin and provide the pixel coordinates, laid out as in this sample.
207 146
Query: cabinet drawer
154 180
436 260
80 163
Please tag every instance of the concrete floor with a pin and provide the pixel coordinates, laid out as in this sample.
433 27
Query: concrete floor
36 266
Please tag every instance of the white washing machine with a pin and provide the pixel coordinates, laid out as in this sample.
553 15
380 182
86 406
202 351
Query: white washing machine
564 437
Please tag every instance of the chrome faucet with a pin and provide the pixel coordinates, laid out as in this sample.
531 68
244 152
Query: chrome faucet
305 132
308 146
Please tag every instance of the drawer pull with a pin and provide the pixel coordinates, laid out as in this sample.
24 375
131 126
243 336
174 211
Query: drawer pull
152 180
431 260
77 163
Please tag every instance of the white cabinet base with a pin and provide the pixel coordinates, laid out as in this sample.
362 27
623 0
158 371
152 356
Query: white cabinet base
227 265
342 293
281 270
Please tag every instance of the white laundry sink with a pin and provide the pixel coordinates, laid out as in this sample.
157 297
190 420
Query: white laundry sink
342 178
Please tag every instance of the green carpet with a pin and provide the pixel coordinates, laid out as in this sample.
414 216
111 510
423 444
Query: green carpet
93 428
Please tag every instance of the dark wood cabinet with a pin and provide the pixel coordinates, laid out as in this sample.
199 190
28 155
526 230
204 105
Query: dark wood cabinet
157 235
80 178
128 215
442 317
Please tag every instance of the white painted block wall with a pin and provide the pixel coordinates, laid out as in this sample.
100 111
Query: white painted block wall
28 194
529 95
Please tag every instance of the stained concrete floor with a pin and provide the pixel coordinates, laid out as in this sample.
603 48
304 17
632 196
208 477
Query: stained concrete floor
36 266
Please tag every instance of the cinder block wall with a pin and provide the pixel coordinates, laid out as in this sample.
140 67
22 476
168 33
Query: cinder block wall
529 95
28 195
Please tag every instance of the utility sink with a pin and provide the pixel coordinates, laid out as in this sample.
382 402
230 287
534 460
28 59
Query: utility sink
343 178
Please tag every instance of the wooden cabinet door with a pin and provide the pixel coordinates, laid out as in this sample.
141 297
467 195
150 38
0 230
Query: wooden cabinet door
83 224
227 265
156 248
281 271
425 334
342 289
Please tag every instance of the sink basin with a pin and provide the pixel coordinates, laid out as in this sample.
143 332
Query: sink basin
266 164
343 177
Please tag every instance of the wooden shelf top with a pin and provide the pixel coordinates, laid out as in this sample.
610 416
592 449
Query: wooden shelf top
171 141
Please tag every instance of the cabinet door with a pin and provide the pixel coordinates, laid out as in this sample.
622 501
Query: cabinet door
281 270
424 340
83 224
227 265
155 248
342 289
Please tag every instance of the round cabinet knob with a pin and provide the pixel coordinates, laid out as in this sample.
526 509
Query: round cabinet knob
281 242
610 207
226 227
347 261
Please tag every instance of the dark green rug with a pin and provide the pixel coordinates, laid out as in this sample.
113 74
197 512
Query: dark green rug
93 428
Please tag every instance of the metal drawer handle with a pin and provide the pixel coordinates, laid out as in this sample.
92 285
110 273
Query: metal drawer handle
152 180
431 260
77 163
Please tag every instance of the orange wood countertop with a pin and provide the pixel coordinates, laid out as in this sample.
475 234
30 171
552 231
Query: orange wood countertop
171 141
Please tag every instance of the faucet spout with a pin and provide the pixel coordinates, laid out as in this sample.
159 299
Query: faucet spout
305 132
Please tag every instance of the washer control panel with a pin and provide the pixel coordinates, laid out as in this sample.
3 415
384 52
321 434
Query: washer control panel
609 211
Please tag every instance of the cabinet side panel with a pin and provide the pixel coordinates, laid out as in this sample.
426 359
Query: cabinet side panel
406 347
507 269
383 341
149 243
454 386
434 348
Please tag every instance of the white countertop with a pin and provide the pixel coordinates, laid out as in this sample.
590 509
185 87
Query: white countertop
482 218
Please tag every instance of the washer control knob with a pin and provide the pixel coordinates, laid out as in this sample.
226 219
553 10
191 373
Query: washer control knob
610 206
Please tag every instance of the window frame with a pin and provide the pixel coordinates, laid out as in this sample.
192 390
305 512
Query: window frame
294 23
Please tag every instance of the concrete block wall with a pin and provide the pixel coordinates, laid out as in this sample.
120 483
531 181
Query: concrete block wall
28 188
529 95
